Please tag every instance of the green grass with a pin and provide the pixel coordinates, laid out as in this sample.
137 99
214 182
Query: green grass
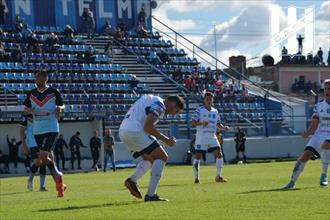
251 193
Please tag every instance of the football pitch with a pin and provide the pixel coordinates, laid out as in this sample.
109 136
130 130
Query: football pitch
253 192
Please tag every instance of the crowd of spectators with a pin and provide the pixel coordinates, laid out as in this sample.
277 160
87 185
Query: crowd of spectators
300 86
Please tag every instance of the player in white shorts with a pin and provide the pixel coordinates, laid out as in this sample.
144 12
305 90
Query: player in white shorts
207 121
320 128
138 132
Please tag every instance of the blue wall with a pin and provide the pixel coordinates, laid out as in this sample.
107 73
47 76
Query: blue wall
63 12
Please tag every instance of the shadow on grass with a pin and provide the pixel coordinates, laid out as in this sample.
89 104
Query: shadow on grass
13 193
70 208
274 190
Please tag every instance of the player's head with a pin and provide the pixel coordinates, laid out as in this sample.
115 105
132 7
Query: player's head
96 133
208 99
61 136
41 78
78 133
108 132
326 84
174 104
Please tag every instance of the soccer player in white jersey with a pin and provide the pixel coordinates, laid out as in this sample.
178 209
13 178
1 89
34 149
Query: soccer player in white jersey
320 129
138 132
207 121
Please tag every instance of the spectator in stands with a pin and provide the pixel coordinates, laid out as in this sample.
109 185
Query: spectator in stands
89 54
328 61
122 25
2 12
295 86
240 144
17 54
218 85
88 22
300 43
2 51
108 144
19 24
119 35
142 17
320 55
68 34
95 145
4 158
308 86
153 58
165 58
32 43
208 76
284 52
189 83
133 82
75 145
52 41
244 91
108 49
59 152
108 29
142 32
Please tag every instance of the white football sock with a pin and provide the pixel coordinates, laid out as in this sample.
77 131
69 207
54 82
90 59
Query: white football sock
325 158
141 168
196 165
298 168
219 164
156 173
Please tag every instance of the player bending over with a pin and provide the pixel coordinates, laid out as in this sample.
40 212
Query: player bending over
207 121
320 131
31 149
44 103
141 137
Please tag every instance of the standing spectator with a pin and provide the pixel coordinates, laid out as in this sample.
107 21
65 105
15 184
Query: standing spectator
142 17
13 151
58 151
4 158
108 144
68 34
95 145
75 145
2 12
119 35
300 43
240 144
320 55
19 24
328 61
2 51
88 22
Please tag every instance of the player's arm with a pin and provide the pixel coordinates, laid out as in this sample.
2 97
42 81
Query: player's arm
149 127
22 138
199 123
59 105
223 127
312 127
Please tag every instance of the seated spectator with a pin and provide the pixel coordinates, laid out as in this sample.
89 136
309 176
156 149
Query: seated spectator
189 83
68 34
108 29
122 25
2 51
119 35
165 58
133 82
17 55
89 55
108 49
219 86
154 59
142 32
32 42
308 86
52 41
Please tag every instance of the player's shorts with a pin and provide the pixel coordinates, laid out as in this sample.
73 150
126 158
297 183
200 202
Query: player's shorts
34 152
240 147
138 143
314 145
46 142
210 146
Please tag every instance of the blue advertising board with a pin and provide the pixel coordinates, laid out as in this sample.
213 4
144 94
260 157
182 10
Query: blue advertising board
59 13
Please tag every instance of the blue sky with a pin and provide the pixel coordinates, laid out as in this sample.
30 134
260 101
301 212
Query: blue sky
242 26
